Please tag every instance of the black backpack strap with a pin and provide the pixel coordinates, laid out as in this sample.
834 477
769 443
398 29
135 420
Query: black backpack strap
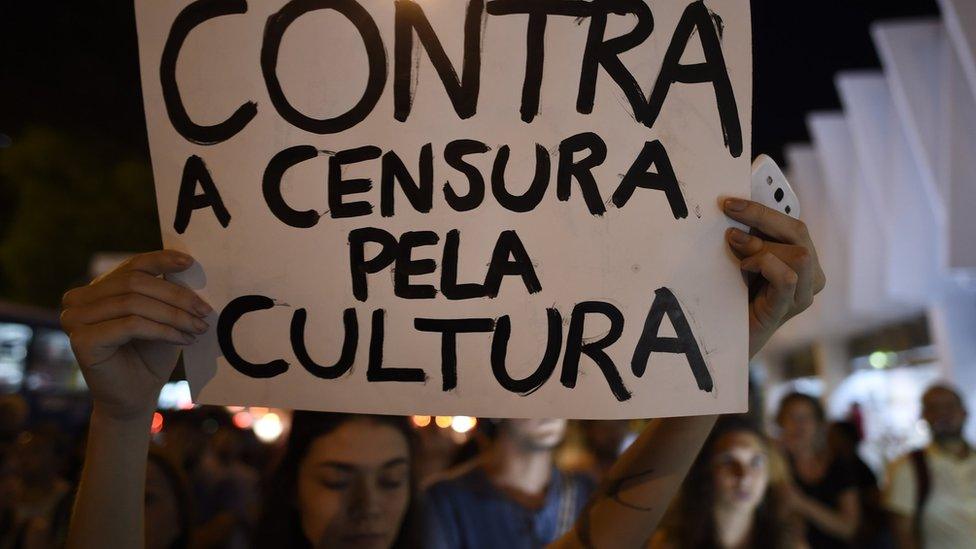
923 485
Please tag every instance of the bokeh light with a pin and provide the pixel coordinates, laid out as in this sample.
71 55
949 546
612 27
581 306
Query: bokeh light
243 420
268 428
463 424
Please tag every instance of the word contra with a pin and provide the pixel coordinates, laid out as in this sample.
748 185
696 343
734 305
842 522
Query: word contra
600 52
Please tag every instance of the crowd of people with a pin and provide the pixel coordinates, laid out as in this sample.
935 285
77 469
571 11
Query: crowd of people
357 481
344 480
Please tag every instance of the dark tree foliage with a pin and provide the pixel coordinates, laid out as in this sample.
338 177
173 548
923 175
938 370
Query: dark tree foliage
71 198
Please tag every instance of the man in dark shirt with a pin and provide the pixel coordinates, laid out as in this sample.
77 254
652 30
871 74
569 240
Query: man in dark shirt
513 496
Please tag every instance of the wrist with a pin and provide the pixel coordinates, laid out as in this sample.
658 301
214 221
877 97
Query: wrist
758 341
106 417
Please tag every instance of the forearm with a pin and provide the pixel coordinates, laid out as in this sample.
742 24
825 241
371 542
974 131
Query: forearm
109 506
839 523
904 530
639 487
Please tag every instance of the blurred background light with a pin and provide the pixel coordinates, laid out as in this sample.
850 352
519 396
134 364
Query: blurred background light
268 428
878 360
463 424
243 420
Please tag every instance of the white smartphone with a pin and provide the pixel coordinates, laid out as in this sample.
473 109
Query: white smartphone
770 187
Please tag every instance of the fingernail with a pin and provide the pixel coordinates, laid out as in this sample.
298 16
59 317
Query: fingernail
200 325
739 237
202 308
735 204
181 258
188 338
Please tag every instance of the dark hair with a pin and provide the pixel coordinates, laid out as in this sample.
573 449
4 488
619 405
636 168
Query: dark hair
181 492
690 523
848 430
280 523
944 387
795 397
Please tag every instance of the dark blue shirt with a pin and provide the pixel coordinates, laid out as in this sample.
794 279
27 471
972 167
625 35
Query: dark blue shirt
466 511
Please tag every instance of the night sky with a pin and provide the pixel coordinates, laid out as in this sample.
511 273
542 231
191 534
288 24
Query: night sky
75 67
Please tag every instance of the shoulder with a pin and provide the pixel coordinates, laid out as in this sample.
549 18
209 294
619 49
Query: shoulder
899 490
578 479
463 478
840 472
900 473
906 463
900 462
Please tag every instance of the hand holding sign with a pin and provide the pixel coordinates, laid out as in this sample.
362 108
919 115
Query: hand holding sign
785 257
125 328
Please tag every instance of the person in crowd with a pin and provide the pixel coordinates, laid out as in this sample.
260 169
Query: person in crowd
41 496
843 438
225 491
438 450
479 440
13 417
169 516
512 496
344 480
127 326
931 492
604 441
733 495
823 491
184 441
9 494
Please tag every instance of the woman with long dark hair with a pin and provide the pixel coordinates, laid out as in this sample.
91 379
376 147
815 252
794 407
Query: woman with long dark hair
823 490
732 496
343 481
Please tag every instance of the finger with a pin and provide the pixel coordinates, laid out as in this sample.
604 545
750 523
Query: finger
152 263
97 342
802 259
742 243
780 290
777 225
796 257
124 305
157 263
138 282
117 332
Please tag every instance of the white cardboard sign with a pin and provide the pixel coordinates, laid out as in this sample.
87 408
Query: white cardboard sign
504 208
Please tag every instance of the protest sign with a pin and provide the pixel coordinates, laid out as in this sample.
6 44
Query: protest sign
503 208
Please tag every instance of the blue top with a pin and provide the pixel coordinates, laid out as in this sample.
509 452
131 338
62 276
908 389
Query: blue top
466 511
